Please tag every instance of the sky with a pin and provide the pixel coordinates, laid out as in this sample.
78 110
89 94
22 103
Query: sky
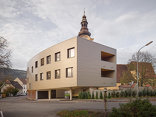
31 26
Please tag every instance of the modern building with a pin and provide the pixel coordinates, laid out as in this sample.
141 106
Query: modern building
23 83
74 65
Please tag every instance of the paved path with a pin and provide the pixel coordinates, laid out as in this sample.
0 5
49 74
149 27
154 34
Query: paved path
21 107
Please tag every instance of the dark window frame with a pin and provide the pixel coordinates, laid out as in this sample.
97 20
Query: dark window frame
42 61
36 77
41 74
67 74
69 52
56 58
36 64
47 75
48 60
32 69
56 76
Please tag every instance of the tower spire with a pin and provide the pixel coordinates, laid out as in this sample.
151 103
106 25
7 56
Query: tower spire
84 11
84 30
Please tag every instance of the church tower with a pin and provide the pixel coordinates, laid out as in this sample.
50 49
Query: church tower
84 32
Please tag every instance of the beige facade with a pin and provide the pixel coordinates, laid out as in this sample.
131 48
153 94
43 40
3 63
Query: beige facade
86 63
73 65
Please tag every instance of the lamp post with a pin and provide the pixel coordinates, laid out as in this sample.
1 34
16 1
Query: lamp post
138 65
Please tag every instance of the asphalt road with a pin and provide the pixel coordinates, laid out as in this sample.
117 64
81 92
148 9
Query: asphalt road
21 107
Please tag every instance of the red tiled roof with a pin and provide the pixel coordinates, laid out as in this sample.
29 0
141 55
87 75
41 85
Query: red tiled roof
23 80
14 83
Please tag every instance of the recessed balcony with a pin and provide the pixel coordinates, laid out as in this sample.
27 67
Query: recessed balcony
107 57
107 73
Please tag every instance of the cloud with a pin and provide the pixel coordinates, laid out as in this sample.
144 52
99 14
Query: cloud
34 25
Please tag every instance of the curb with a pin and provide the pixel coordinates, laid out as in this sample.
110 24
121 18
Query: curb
1 113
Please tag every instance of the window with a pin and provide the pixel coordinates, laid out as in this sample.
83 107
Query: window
36 77
49 59
48 75
69 72
42 61
32 69
57 56
41 76
70 52
36 64
57 73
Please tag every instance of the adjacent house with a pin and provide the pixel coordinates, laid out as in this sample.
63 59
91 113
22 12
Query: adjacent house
14 84
74 65
23 83
127 73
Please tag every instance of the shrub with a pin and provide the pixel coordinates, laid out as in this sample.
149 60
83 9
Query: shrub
144 92
154 92
117 94
89 96
136 108
133 93
113 94
15 91
126 93
93 97
101 96
109 95
80 95
85 95
122 94
96 95
140 93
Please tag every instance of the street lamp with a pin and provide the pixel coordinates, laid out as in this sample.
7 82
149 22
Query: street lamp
138 65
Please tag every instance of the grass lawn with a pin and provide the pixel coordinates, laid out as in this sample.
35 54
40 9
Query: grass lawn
80 113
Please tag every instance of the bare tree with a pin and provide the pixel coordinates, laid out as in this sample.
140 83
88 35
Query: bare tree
146 71
144 57
4 54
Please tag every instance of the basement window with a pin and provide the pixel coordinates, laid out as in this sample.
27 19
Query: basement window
107 73
107 57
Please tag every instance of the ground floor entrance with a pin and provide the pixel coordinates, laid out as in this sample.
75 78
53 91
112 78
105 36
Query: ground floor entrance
53 94
42 94
67 93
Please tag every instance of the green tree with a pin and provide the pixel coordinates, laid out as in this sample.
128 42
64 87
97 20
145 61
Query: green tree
11 90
